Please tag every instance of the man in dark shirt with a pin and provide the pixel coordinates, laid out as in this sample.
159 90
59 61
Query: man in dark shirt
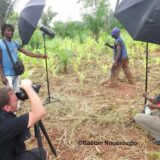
15 130
120 59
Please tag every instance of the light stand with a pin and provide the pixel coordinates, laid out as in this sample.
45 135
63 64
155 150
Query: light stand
146 85
49 98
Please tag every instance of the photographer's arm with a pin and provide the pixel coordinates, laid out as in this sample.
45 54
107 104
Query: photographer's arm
153 106
37 111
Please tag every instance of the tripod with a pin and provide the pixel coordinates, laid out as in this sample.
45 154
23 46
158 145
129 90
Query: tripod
39 125
48 99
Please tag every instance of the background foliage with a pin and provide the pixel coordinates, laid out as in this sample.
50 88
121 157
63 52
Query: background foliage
78 61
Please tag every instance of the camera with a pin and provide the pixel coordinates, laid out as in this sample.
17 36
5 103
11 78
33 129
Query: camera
22 95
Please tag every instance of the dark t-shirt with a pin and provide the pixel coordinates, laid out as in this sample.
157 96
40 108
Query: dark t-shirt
13 133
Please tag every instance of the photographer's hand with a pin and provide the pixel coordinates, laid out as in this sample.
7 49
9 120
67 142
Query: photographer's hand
37 111
145 95
151 99
25 84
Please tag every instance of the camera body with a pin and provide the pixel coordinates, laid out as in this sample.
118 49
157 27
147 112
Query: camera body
22 95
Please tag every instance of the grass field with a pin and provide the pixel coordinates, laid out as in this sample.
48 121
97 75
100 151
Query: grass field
89 121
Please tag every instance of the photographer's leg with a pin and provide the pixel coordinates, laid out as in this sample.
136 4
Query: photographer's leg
36 152
150 123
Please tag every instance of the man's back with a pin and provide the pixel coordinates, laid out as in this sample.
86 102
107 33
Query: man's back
13 134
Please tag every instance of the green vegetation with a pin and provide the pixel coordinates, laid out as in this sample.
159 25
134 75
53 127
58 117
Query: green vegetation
78 62
89 110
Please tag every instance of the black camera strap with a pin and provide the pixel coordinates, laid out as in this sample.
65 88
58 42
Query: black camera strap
9 52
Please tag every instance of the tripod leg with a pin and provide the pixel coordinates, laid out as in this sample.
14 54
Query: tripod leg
132 121
39 141
47 138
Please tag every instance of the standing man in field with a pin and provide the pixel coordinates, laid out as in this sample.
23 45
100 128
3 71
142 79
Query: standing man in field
120 59
7 73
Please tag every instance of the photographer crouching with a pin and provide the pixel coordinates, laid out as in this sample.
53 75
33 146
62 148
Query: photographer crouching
15 130
150 119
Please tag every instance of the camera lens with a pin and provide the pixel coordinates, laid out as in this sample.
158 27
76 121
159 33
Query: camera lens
21 95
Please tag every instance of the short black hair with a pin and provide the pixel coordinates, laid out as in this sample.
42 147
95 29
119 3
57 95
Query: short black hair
4 96
4 26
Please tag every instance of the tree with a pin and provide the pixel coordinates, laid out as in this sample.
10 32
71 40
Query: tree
70 29
48 16
96 15
6 8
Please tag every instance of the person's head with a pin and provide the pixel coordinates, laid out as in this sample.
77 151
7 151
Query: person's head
115 32
7 30
8 99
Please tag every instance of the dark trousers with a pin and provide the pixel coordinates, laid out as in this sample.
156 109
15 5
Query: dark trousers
123 64
32 154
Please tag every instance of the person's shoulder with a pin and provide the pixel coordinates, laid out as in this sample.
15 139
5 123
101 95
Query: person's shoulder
17 44
1 41
21 120
117 41
23 116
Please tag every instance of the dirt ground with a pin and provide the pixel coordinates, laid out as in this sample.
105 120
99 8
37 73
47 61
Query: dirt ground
89 120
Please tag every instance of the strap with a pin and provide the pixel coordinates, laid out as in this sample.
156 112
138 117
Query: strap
9 52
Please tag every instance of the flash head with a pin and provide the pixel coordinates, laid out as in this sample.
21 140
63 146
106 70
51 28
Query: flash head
47 31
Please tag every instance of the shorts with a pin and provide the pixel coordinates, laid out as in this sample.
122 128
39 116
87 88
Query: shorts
32 154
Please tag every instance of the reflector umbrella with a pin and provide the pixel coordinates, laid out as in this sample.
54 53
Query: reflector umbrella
29 18
140 18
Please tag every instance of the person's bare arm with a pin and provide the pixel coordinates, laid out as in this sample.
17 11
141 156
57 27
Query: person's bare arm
31 54
118 47
153 106
118 54
37 111
3 78
108 45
